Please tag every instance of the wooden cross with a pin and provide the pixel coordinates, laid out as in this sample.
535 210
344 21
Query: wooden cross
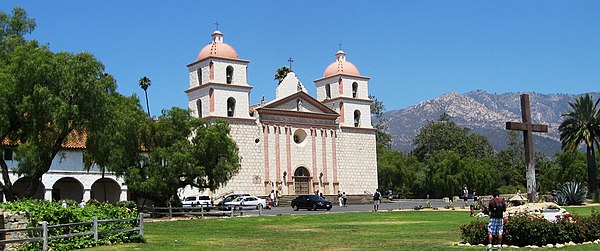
528 128
291 61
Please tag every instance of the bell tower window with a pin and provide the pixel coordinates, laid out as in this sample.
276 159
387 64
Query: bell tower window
230 107
211 96
229 74
354 90
327 91
211 67
356 118
199 107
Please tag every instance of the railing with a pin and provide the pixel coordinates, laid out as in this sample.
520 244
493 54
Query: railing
45 237
201 210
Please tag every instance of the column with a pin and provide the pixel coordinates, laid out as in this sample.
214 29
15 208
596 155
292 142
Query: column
87 192
288 136
266 153
48 194
324 156
315 175
336 183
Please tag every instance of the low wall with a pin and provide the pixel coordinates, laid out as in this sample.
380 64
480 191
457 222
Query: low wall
11 220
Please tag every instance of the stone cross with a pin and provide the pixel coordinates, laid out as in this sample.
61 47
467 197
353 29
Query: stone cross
528 128
291 61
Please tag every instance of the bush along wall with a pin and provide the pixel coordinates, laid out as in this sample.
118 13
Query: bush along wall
71 212
522 230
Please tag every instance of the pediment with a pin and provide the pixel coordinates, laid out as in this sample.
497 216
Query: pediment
300 102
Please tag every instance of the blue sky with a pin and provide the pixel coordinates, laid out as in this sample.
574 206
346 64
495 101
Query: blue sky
412 50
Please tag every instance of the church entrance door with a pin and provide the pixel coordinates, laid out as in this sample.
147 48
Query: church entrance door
301 180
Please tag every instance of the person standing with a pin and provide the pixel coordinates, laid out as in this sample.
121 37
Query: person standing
466 196
496 207
344 199
272 198
340 199
376 200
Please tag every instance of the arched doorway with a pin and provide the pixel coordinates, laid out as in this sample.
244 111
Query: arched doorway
106 190
67 188
22 184
301 180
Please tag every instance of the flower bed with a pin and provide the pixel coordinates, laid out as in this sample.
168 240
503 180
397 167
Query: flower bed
524 230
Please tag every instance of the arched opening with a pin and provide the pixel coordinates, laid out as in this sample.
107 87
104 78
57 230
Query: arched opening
341 86
229 75
341 112
67 188
106 190
356 118
211 67
199 73
354 90
199 107
211 97
230 107
22 184
301 180
327 91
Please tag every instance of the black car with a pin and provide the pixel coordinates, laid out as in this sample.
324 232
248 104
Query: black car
310 202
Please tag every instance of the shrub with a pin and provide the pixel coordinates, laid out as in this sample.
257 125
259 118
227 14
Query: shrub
523 230
54 213
573 193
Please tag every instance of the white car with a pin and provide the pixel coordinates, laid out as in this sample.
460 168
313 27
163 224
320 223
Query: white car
247 202
196 200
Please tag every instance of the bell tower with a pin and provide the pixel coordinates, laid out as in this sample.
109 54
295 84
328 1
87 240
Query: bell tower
344 90
219 82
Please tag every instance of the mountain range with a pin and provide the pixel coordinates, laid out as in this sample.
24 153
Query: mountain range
484 113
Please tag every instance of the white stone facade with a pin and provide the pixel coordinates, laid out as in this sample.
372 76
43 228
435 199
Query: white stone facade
295 143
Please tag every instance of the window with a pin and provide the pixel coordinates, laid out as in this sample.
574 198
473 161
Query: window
356 118
199 73
327 91
212 70
299 136
230 107
354 90
199 107
229 74
8 154
211 96
341 86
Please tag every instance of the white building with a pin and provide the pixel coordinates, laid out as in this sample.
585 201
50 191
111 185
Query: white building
294 143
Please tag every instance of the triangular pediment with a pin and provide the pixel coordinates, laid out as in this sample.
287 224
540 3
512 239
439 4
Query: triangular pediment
300 102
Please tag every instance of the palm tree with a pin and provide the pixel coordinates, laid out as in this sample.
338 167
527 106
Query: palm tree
145 82
582 124
281 73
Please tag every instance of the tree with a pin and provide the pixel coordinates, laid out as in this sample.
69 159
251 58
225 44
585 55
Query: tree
382 136
12 29
444 134
183 151
145 82
509 162
281 73
582 125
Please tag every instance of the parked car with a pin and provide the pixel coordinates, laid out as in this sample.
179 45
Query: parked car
310 202
229 198
247 202
196 200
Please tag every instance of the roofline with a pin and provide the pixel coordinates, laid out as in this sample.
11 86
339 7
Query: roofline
347 98
217 57
298 114
209 84
343 74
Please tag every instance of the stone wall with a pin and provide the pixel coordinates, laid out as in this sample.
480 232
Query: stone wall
10 220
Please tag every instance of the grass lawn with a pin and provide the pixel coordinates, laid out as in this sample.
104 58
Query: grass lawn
405 230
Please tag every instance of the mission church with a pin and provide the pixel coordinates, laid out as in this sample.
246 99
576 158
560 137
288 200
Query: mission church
296 144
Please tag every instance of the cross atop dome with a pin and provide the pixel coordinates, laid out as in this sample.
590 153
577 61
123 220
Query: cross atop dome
217 48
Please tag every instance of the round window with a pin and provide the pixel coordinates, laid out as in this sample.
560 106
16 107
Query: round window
299 136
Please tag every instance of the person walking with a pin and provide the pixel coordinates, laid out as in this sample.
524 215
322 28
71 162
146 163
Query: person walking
344 199
496 208
340 201
376 200
466 196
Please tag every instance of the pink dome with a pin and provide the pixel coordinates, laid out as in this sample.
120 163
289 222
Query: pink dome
341 66
217 48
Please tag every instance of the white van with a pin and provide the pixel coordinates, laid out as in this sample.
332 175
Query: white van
196 200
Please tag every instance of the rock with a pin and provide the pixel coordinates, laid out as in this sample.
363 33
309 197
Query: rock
587 243
515 247
549 245
467 244
558 245
596 241
461 244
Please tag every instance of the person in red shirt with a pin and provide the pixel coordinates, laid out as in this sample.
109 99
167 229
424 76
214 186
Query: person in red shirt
496 207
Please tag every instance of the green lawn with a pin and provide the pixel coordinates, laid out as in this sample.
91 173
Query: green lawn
406 230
